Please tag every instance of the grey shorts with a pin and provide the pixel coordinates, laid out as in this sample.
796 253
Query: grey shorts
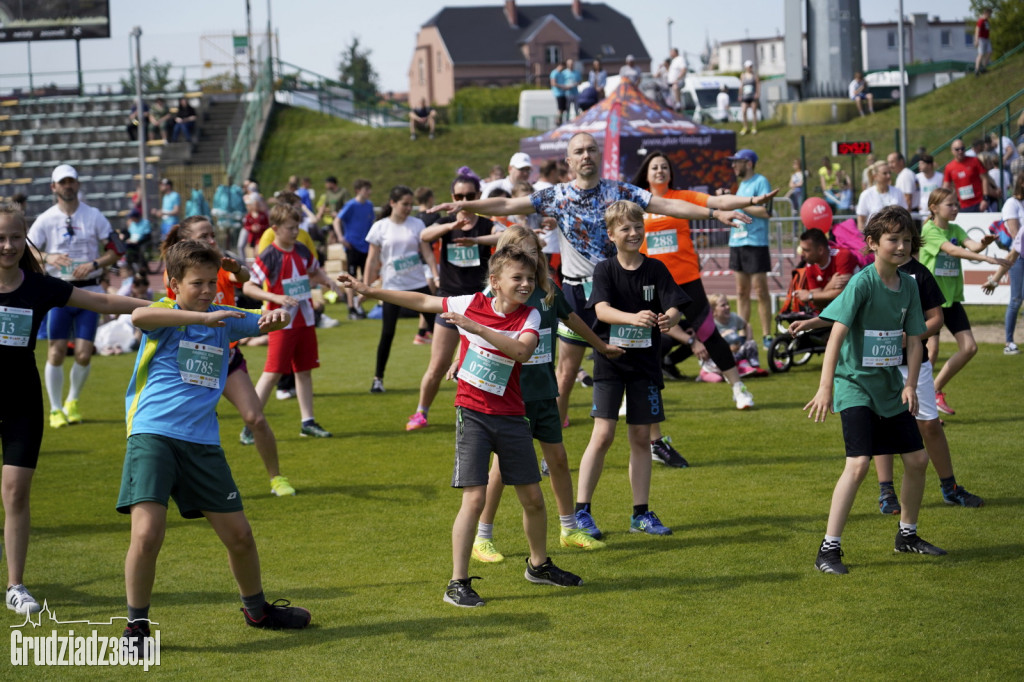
477 435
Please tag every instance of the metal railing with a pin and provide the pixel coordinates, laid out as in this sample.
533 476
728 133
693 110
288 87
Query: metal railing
244 142
329 96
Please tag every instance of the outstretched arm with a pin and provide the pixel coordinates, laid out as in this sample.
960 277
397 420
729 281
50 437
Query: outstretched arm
496 206
150 318
412 300
107 304
677 208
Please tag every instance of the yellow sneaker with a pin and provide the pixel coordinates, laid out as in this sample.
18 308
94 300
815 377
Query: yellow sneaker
484 550
280 486
57 419
71 412
578 538
743 130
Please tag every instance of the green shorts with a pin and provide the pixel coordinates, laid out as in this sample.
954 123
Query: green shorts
157 468
545 424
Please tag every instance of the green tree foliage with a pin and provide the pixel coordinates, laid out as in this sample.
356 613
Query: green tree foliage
486 105
356 73
156 77
1007 23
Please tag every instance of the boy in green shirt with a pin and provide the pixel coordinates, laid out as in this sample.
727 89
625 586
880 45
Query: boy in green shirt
876 309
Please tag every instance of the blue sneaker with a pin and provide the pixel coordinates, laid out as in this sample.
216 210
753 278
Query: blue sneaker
888 503
585 522
649 523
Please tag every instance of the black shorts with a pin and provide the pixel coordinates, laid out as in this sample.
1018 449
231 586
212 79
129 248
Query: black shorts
562 103
21 418
643 401
236 362
750 259
748 100
955 318
866 434
356 261
576 295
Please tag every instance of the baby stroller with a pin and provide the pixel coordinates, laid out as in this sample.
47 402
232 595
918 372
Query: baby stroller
786 349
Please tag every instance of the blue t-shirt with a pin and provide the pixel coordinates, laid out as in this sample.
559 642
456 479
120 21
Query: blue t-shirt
580 214
756 233
160 400
556 76
303 194
568 79
357 218
170 202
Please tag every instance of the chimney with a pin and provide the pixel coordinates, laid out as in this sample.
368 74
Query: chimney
510 13
577 9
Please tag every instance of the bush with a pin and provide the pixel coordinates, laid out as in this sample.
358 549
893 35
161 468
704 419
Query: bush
485 105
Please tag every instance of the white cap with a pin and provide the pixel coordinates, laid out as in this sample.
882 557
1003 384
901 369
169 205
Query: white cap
63 171
520 160
747 63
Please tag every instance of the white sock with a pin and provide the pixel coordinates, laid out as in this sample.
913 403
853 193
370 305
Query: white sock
485 530
830 542
54 377
79 373
568 521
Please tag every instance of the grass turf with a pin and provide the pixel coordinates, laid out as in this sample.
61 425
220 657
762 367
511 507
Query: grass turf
732 594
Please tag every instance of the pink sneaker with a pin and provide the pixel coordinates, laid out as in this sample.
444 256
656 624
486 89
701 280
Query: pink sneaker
710 377
421 340
416 421
942 405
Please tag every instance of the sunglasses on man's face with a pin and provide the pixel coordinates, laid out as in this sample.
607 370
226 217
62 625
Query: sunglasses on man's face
469 196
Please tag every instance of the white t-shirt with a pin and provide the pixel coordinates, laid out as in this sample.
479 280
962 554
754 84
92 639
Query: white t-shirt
92 230
722 101
676 69
926 186
854 86
1013 209
906 182
872 201
1007 143
401 266
1007 183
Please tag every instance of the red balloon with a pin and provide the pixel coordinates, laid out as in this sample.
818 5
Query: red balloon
816 214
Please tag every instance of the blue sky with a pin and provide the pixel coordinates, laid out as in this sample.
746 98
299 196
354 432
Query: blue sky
312 33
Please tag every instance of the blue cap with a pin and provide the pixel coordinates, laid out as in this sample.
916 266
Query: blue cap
744 154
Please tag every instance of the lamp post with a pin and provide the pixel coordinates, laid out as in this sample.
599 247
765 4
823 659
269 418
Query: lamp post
669 22
136 33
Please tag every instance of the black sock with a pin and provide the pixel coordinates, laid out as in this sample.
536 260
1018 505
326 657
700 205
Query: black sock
254 605
308 422
421 332
136 614
886 485
583 506
948 483
639 509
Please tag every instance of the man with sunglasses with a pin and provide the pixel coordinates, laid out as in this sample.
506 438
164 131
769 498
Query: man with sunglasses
75 243
967 177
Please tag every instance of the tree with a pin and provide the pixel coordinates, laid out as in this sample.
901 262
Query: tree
357 74
155 78
1007 23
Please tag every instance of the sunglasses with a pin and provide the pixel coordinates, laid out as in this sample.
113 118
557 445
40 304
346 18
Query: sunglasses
957 149
469 196
69 231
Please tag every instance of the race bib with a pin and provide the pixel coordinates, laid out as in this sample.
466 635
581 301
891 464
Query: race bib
739 229
662 242
406 263
588 288
297 287
67 272
883 348
15 326
946 266
486 370
630 336
200 364
966 192
463 256
542 353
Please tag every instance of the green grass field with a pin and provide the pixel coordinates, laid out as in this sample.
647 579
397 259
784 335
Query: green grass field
731 595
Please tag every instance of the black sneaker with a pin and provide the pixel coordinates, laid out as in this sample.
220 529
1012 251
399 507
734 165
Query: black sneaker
280 615
314 430
957 495
669 369
915 545
377 386
831 561
662 451
134 637
549 574
461 593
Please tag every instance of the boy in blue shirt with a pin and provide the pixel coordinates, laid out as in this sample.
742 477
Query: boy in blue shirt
173 445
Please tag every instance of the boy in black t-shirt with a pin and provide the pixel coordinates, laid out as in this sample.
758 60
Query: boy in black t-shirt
635 299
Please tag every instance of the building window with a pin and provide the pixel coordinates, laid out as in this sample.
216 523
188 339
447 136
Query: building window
890 39
553 54
968 39
945 37
439 65
773 52
608 50
422 71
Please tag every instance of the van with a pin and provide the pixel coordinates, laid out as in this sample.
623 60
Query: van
700 98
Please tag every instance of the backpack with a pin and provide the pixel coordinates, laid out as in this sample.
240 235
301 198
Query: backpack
196 205
1003 237
846 235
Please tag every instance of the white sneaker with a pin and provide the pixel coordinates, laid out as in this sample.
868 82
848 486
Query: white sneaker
326 322
20 601
285 395
1011 349
744 401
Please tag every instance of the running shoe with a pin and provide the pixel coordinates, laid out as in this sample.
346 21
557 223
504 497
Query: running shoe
280 615
377 386
914 544
71 412
662 451
585 523
354 315
20 601
888 503
416 421
649 523
280 486
766 342
957 495
565 424
246 437
485 551
315 430
742 397
285 395
577 538
1011 349
326 322
134 638
670 371
940 402
583 378
831 561
420 340
57 419
544 471
461 593
549 574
